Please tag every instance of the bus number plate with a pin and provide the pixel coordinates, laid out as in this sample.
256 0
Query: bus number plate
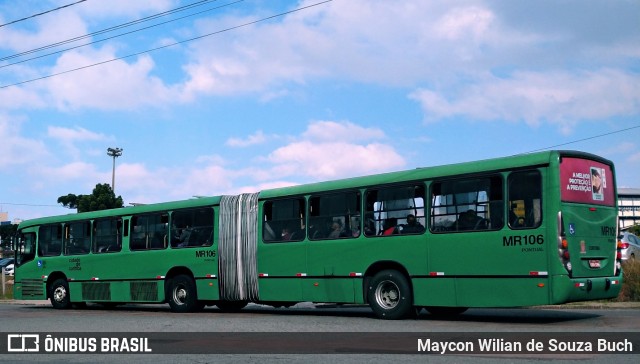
593 263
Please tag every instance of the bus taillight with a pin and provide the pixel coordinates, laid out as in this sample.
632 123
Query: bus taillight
563 245
619 246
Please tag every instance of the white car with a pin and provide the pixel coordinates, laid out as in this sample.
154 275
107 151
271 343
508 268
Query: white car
630 246
8 270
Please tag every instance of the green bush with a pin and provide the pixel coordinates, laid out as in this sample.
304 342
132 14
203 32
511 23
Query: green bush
630 281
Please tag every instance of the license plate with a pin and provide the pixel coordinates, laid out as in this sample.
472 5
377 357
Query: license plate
594 263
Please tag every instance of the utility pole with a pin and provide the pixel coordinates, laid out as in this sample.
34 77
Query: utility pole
114 153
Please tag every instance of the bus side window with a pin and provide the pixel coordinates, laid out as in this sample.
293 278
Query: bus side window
334 216
107 235
525 200
283 220
467 204
395 210
191 228
50 240
77 238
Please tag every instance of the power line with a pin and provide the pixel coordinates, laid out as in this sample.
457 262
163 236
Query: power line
44 12
167 45
105 39
585 139
28 204
124 25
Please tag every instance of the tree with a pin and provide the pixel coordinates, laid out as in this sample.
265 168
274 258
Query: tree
102 198
6 233
70 200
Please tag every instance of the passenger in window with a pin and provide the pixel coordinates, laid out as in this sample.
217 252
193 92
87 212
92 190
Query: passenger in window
468 220
185 234
412 226
286 233
355 227
390 226
336 230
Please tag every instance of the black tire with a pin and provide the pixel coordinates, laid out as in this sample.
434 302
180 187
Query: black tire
231 306
182 294
59 294
446 311
389 295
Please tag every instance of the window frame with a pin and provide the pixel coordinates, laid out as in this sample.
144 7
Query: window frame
374 222
467 219
275 227
318 227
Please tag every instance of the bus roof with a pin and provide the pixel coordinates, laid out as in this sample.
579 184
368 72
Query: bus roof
124 211
482 166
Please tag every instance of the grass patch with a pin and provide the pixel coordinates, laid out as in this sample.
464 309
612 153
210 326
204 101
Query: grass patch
8 289
630 291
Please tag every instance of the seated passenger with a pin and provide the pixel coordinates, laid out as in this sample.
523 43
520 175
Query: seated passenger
390 226
286 233
336 230
468 220
412 226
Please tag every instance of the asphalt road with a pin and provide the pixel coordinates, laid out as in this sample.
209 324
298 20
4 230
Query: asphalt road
306 322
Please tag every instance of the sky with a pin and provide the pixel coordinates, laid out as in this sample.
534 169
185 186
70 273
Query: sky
224 97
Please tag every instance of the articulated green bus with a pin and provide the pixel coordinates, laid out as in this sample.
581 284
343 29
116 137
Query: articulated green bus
532 229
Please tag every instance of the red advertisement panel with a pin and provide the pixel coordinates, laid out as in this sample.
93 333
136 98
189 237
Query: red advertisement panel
586 181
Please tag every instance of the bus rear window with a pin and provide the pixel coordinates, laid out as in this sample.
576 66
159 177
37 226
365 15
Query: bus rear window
586 181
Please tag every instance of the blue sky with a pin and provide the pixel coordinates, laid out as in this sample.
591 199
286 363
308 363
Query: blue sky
343 88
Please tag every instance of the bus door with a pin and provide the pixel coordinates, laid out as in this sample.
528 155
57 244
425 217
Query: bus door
588 218
28 272
282 263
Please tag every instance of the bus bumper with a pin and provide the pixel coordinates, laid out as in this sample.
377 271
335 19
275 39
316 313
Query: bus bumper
568 289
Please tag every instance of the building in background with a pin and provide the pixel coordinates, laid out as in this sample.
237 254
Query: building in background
629 207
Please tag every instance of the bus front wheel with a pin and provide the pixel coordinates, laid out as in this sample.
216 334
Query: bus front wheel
389 295
59 294
182 295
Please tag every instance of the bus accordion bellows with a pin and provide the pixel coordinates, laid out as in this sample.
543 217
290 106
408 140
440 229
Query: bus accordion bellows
531 229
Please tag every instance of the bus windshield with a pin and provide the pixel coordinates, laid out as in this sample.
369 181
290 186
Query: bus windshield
586 181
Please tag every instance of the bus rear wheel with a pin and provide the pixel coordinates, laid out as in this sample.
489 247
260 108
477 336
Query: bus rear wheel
59 294
389 295
182 295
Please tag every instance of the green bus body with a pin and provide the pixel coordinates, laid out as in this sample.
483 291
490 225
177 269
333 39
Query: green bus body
543 235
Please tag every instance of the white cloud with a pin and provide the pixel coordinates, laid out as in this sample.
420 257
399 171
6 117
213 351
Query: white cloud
257 138
75 134
124 8
16 149
329 160
331 131
560 98
69 138
460 23
115 85
331 150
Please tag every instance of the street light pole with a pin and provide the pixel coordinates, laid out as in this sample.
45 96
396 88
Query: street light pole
114 153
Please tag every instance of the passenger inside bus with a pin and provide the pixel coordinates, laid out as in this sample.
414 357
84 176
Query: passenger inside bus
468 220
412 226
390 226
336 230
